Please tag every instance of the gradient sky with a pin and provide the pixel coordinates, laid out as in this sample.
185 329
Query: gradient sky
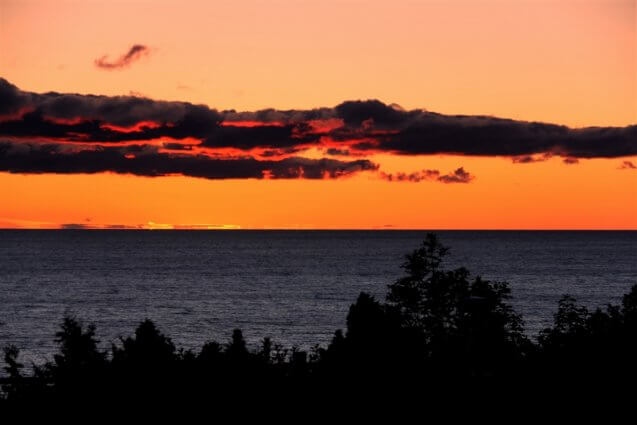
571 63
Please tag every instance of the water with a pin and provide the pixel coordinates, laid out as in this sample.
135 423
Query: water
294 286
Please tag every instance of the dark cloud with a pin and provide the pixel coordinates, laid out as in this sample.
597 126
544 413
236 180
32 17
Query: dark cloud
141 160
81 226
358 127
427 133
570 161
12 99
356 113
458 176
133 54
122 111
279 116
416 177
263 136
121 227
627 165
338 152
280 152
73 117
529 159
177 147
195 122
76 226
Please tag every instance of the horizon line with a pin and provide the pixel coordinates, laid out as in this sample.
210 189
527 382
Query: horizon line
179 229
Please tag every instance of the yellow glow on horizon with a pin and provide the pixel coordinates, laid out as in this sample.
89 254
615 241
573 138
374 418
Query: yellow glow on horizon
164 226
593 194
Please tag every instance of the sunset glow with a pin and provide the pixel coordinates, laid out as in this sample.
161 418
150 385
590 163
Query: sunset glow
341 115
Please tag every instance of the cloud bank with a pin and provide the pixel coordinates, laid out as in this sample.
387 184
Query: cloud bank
67 133
147 161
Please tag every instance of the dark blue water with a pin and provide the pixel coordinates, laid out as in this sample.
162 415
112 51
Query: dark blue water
294 286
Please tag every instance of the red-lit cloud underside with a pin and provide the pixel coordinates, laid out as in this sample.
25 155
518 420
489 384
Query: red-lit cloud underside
72 133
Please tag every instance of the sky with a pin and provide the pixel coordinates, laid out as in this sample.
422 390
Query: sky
455 114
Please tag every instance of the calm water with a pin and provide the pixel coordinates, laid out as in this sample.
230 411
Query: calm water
294 286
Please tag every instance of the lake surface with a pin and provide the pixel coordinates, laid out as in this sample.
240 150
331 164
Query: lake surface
294 286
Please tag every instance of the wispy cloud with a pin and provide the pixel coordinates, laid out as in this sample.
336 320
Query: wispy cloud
414 177
133 54
458 176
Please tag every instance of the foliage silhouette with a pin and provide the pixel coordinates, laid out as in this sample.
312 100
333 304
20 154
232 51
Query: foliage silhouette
466 326
586 347
12 386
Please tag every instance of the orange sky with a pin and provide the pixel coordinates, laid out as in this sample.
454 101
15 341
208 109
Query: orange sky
564 62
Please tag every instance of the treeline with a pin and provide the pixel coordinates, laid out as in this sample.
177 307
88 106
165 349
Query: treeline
437 328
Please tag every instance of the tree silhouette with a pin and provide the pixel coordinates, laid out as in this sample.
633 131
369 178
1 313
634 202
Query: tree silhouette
410 292
12 385
466 326
78 348
583 346
78 370
146 366
13 367
148 349
237 349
